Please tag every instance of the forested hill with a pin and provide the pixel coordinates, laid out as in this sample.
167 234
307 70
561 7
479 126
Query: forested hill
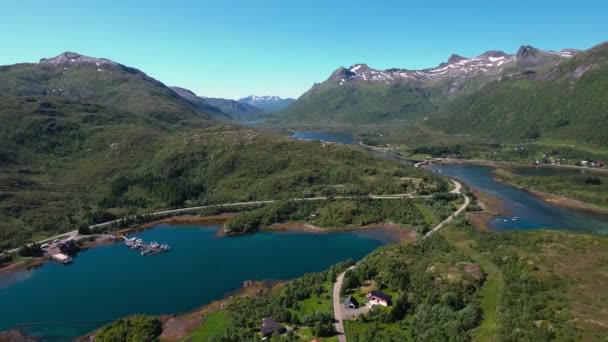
528 95
85 140
82 79
361 94
567 101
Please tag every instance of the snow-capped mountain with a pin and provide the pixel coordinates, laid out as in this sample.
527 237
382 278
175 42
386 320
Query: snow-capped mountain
268 104
490 63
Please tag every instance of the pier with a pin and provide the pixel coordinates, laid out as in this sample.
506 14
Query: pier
146 248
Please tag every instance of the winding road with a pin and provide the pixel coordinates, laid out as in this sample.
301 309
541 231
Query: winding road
339 315
74 233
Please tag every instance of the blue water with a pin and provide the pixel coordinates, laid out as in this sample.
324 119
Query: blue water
338 137
108 282
525 211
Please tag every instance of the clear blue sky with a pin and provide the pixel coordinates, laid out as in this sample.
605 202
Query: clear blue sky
237 48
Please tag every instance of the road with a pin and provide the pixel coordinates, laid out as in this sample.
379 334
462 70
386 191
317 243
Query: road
74 233
466 203
338 314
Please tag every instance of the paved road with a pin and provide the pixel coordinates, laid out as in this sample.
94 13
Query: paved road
338 314
466 203
74 233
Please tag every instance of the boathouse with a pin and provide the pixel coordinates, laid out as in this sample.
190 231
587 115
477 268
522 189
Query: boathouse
379 297
351 303
62 258
269 326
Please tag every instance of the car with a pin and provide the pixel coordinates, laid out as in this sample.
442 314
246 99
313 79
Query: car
56 240
44 245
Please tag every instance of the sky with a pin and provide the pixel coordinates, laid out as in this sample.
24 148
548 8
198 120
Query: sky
234 49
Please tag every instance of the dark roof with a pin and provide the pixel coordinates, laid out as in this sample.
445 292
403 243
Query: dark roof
380 295
351 299
269 326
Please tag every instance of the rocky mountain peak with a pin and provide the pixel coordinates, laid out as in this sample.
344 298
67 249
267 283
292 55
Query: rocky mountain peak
341 73
73 58
454 58
525 51
493 54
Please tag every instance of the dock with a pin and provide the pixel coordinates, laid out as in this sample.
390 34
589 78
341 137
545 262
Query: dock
146 248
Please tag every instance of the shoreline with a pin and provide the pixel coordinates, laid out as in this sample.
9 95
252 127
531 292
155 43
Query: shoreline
515 164
491 207
557 200
397 233
178 326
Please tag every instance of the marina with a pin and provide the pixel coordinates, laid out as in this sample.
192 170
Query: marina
146 248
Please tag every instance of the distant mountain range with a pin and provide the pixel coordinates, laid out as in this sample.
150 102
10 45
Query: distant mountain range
269 104
363 94
243 109
494 92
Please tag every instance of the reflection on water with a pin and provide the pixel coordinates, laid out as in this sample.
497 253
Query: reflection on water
338 137
113 281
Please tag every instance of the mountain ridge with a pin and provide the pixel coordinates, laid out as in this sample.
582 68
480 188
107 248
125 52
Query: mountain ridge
360 94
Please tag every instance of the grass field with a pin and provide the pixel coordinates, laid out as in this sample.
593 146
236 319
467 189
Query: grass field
214 324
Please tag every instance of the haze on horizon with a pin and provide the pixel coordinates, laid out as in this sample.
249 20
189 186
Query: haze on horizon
240 48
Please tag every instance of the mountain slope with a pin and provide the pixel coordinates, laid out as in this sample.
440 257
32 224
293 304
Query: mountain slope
81 146
361 94
76 77
565 101
269 104
238 110
201 103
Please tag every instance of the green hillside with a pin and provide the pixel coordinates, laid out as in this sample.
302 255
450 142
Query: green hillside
459 285
568 101
363 102
106 146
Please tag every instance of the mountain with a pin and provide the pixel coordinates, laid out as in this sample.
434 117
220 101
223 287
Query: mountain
360 94
238 110
269 104
564 102
74 77
201 103
85 140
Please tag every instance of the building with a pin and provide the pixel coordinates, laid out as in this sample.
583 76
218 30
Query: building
351 303
62 258
269 326
379 297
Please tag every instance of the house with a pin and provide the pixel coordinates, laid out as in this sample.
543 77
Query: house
351 303
379 297
269 326
62 258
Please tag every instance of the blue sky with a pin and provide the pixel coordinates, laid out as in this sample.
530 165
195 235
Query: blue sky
238 48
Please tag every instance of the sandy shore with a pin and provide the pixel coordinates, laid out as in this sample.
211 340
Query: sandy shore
397 232
491 207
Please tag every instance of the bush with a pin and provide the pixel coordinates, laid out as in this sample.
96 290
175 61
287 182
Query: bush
131 329
32 250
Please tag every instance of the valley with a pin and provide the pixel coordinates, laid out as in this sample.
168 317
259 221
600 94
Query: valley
465 201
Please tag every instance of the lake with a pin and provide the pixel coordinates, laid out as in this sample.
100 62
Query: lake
525 210
108 282
337 137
